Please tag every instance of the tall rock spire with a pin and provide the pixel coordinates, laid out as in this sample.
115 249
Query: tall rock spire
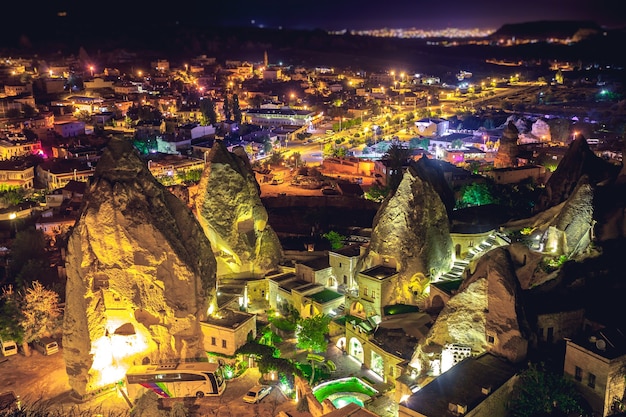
140 275
231 212
507 151
411 232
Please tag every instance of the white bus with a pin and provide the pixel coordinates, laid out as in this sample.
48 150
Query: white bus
192 379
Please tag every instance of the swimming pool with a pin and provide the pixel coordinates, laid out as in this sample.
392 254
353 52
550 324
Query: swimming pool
344 391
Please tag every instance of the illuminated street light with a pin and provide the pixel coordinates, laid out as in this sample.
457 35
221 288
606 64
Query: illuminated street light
91 69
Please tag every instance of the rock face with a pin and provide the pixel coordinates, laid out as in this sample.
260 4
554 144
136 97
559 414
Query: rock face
411 233
140 275
233 217
541 130
430 171
507 151
571 232
578 161
485 314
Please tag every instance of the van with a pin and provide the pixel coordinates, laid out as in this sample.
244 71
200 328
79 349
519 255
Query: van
8 347
46 346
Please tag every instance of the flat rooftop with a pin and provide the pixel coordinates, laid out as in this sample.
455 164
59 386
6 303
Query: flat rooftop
325 296
229 318
379 272
462 384
282 278
295 284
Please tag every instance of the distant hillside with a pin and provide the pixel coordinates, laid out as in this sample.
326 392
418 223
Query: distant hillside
545 29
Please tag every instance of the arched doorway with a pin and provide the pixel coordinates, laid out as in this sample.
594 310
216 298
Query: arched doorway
356 349
437 303
332 282
457 250
341 343
357 310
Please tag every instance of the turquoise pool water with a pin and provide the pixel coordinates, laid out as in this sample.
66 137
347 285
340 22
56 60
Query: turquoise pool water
344 391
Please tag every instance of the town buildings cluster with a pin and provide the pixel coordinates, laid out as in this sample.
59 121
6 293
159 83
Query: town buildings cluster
56 117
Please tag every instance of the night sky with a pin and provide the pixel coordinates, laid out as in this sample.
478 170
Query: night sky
353 14
324 14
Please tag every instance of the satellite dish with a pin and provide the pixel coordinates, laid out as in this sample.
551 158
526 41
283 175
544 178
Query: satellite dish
601 344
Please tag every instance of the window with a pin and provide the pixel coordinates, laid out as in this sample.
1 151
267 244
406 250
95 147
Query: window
365 292
491 339
373 295
213 341
345 280
339 264
578 374
223 344
591 381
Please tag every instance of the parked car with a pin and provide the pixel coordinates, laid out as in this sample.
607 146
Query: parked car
257 393
330 191
46 346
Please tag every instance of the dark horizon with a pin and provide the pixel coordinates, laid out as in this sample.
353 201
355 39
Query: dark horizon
323 14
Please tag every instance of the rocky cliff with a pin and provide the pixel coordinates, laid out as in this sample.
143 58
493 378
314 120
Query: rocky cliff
233 217
411 233
431 171
485 314
140 275
578 161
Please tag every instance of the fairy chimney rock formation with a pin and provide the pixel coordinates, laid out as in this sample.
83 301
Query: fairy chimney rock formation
578 161
140 275
233 217
485 314
410 232
507 151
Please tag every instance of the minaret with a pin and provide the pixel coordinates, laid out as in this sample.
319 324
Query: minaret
265 59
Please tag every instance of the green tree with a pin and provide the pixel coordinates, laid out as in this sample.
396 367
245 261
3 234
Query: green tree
228 112
335 239
539 392
13 113
40 311
11 196
276 158
377 193
476 194
267 145
312 333
296 159
10 316
209 115
29 111
257 101
28 247
396 156
236 109
457 144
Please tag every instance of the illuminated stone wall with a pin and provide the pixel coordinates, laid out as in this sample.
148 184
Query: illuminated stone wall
140 275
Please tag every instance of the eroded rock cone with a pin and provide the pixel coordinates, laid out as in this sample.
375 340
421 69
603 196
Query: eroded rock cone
230 210
411 232
140 275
